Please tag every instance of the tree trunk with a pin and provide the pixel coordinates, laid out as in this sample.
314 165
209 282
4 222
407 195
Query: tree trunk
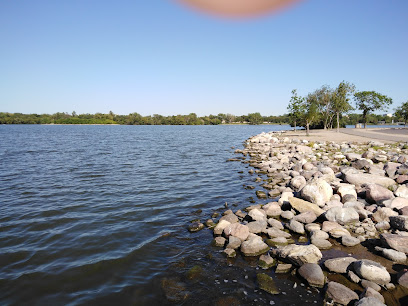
307 128
295 125
338 123
365 119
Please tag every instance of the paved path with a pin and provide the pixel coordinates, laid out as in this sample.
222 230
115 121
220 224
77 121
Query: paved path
387 134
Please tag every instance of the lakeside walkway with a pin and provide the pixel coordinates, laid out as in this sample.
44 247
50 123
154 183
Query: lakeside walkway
386 135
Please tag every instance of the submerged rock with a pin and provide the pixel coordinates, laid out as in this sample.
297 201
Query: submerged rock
266 283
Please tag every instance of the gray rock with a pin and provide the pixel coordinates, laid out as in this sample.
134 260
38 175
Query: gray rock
237 230
368 284
322 244
340 294
372 271
393 255
396 242
403 279
254 246
383 214
397 203
402 191
287 214
299 254
220 227
306 217
377 194
303 206
357 178
313 274
231 218
233 242
318 192
399 222
319 234
272 209
274 232
349 241
342 215
219 241
339 265
353 276
312 227
275 223
257 214
297 183
369 301
296 227
257 227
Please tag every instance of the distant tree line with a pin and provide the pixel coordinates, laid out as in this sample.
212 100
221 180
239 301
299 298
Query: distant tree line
137 119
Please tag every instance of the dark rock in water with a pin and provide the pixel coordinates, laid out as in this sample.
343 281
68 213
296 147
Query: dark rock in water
340 294
174 290
219 241
210 223
194 272
267 283
313 274
227 301
396 242
261 194
230 252
195 227
266 261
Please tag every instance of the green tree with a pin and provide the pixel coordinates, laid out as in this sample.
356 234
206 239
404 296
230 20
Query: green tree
369 101
402 112
296 107
324 101
255 118
341 98
310 109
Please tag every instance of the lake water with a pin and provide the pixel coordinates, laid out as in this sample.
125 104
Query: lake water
99 215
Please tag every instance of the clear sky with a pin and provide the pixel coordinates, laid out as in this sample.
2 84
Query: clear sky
159 57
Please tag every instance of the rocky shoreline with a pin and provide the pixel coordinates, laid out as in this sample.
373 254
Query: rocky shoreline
324 195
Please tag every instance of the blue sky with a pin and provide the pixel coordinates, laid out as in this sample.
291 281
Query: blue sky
158 57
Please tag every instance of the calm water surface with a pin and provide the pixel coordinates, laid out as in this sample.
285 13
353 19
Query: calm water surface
98 214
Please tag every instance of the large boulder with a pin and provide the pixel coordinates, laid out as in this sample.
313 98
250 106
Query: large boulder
396 242
299 254
318 192
340 294
304 206
357 178
237 230
342 215
372 271
254 246
339 265
313 274
377 194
